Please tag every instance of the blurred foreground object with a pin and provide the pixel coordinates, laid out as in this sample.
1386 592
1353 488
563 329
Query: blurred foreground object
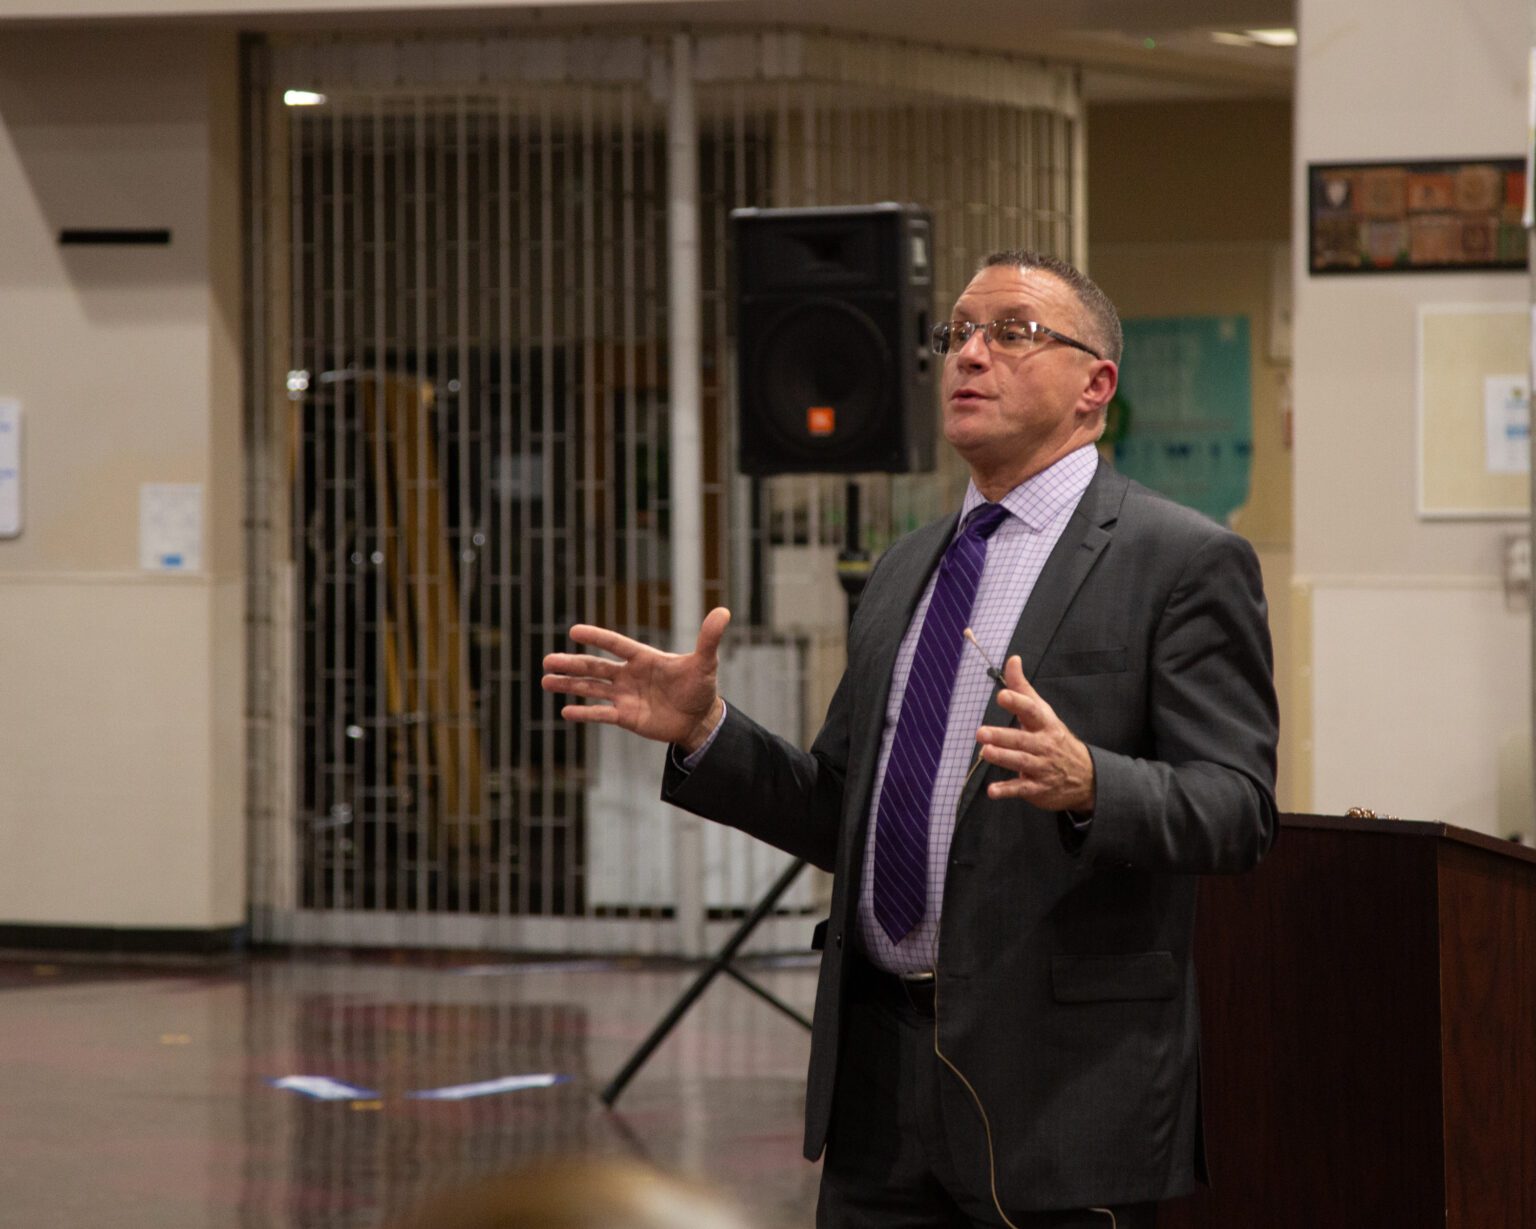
578 1194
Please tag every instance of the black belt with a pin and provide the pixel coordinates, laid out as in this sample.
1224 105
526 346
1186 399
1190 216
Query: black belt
909 991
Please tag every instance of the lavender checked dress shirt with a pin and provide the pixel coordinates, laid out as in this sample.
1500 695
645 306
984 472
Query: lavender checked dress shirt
1016 555
1040 508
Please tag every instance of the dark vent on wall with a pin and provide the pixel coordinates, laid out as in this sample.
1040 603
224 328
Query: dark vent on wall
114 238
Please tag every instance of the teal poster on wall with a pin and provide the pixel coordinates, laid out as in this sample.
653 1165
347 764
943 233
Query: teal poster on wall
1182 420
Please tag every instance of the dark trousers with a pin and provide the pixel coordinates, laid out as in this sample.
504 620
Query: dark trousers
889 1162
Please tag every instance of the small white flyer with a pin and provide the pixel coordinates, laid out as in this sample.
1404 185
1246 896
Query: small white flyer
10 467
171 526
1507 424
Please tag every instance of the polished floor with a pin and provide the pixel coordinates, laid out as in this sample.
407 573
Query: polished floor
161 1094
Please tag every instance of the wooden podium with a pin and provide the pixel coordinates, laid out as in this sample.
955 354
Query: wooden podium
1369 1004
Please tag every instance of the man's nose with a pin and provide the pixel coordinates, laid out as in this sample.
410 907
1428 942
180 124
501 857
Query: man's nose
975 352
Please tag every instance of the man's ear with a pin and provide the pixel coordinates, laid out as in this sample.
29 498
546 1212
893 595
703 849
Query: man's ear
1099 389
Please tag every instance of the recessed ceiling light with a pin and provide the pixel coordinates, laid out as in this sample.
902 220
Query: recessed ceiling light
1276 37
303 98
1254 38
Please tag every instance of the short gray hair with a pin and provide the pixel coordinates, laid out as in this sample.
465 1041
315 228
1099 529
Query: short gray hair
1103 319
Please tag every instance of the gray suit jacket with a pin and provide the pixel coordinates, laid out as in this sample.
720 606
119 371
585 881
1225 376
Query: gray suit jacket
1066 992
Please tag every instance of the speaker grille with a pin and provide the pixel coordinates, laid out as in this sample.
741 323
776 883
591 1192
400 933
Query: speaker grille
821 375
835 253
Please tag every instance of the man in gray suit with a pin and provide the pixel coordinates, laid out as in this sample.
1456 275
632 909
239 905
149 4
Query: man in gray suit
1006 1029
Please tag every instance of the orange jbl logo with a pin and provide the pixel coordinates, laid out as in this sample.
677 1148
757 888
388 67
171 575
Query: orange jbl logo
821 420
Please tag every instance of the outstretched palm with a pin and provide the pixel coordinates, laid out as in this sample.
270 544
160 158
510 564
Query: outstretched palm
670 697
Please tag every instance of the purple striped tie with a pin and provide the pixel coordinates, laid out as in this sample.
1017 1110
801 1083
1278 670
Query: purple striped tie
901 824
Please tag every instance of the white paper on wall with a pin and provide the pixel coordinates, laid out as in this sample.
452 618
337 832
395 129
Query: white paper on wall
1507 424
10 467
171 526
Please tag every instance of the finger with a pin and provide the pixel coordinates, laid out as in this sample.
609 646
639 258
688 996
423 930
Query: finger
711 633
608 641
581 664
1011 738
1017 787
1033 712
591 714
1000 735
1013 676
597 689
1025 761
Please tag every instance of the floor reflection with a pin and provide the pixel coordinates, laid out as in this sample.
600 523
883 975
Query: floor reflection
145 1095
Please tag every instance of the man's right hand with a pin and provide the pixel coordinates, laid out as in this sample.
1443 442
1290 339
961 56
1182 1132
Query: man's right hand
670 697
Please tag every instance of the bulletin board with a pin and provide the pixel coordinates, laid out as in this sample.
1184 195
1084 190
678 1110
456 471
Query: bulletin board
1183 413
1474 406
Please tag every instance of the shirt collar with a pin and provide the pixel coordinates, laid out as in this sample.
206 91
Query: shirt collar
1039 499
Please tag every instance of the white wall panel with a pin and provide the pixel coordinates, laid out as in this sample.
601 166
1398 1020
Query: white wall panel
1418 672
1416 687
108 752
121 708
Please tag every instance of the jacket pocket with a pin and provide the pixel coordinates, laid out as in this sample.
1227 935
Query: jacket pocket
1083 661
1102 979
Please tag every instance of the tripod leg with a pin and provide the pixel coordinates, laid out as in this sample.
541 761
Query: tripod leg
767 995
723 957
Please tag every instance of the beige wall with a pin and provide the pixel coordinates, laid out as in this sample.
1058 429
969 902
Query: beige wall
1421 672
1189 214
30 10
121 691
1169 172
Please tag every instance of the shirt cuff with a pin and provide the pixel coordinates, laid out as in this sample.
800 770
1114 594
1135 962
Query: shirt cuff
1074 829
687 763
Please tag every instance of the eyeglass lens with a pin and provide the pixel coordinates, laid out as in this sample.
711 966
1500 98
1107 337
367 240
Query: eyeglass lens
1008 334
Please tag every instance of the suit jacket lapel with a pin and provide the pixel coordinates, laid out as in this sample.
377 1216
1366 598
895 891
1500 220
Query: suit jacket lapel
883 624
890 618
1087 533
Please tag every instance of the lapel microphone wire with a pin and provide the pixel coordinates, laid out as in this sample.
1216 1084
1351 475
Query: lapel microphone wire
993 672
996 676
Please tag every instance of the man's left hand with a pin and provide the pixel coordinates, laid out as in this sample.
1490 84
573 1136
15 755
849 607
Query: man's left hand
1055 771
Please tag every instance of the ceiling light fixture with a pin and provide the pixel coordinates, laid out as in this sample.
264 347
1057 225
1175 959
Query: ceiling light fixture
303 98
1255 38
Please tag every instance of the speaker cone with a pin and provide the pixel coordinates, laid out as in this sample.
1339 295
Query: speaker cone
820 375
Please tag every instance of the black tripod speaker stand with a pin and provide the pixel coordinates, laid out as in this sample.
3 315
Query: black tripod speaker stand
852 571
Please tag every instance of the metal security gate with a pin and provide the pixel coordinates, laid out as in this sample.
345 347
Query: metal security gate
458 446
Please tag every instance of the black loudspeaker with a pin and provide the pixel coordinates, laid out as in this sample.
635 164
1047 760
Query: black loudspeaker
834 373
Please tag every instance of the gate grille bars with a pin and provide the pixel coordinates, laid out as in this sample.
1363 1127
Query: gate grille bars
459 443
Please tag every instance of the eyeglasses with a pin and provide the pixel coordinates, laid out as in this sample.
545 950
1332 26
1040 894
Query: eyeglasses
1013 336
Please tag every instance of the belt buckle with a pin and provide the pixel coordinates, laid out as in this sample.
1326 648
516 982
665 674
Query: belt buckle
919 989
